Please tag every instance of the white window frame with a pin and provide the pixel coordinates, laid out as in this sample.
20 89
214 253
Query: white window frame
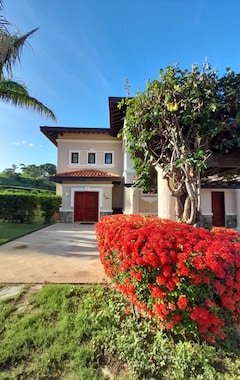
71 152
104 162
95 158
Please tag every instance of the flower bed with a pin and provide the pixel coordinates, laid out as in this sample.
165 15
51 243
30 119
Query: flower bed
186 277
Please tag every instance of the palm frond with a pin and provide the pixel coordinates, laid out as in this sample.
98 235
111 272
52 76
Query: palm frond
11 48
3 22
16 93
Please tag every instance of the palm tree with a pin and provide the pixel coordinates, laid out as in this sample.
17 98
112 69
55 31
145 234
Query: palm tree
11 91
3 21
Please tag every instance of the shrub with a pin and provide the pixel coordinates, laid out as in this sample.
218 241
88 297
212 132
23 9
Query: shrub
18 207
49 205
185 277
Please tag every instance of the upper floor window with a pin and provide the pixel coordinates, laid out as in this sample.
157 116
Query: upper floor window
108 158
91 158
74 158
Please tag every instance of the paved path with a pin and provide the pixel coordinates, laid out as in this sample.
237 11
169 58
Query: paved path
60 253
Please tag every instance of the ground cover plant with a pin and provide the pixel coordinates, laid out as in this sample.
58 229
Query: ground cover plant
11 231
92 332
186 278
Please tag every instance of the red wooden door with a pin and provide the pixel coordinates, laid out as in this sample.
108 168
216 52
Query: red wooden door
86 206
218 209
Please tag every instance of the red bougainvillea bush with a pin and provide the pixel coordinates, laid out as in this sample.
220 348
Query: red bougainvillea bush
187 278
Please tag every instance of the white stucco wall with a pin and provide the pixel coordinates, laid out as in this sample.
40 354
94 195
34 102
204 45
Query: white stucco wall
84 143
229 199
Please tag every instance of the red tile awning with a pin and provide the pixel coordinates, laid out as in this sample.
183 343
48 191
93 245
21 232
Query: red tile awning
85 175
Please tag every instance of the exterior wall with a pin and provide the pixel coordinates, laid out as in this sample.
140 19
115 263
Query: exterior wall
148 204
59 189
87 143
137 203
104 200
232 215
117 199
128 168
238 207
127 200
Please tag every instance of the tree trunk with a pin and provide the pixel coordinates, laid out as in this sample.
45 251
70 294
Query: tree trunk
166 201
191 188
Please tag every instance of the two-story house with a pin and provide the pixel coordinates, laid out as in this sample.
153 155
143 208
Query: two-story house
95 174
89 170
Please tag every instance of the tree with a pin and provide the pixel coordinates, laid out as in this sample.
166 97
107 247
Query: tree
177 123
41 171
11 91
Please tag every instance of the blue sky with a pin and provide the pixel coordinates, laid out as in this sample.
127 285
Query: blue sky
86 49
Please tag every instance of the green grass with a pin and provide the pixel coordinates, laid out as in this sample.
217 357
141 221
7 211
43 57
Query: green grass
90 332
11 231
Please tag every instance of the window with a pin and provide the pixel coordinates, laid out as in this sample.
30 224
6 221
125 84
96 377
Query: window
74 158
91 158
108 158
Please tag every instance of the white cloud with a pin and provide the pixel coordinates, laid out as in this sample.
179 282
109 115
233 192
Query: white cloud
24 142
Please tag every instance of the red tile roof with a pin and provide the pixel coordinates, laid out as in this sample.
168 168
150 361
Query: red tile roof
90 174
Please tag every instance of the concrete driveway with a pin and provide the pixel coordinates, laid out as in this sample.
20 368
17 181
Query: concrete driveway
60 253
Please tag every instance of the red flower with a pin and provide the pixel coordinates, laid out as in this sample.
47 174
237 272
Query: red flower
167 270
182 302
136 275
219 287
161 310
156 292
199 314
171 285
161 279
228 303
183 270
177 318
171 306
169 325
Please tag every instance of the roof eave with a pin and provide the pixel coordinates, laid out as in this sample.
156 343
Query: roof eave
61 179
52 133
116 114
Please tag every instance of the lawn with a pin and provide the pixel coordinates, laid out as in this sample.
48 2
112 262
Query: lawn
11 231
74 332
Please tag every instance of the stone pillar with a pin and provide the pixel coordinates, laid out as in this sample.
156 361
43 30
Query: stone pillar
134 200
166 202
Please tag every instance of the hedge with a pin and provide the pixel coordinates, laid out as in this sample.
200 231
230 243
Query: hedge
185 277
49 205
22 206
18 207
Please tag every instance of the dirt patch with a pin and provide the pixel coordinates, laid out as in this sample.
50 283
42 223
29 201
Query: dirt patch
21 246
111 367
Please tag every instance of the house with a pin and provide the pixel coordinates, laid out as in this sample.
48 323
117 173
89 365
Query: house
95 175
